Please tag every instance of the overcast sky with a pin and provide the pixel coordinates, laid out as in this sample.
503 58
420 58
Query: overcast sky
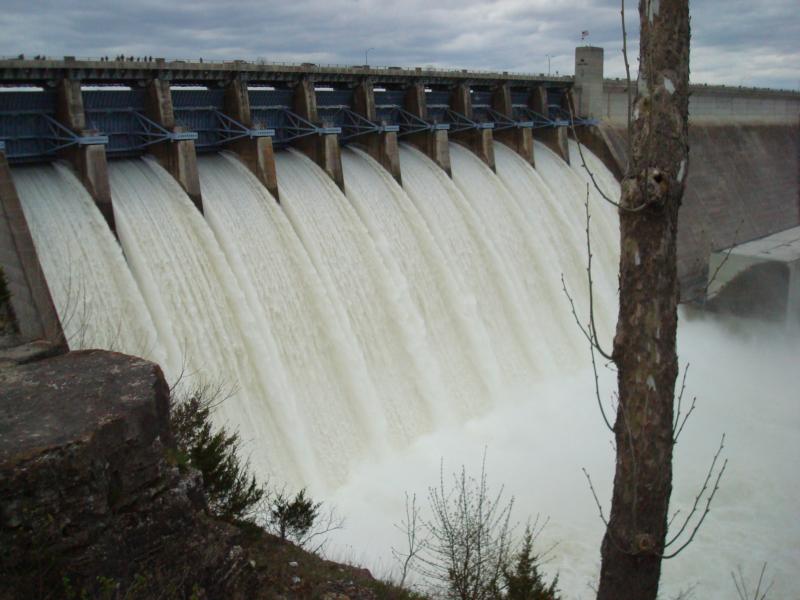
735 42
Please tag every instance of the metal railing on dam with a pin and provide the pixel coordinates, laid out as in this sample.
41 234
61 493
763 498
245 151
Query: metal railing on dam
18 70
173 109
88 111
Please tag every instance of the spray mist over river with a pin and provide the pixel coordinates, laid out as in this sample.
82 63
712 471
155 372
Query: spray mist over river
746 380
365 337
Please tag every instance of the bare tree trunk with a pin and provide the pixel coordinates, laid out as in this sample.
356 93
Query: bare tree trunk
644 346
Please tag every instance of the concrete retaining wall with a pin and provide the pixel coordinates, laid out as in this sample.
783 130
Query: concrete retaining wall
30 297
715 103
742 184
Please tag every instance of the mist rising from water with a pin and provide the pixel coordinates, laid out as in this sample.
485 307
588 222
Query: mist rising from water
329 317
746 379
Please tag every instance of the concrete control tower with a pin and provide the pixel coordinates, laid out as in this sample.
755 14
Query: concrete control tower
589 81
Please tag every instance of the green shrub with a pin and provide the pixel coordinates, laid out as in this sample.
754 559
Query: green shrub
231 491
524 581
292 518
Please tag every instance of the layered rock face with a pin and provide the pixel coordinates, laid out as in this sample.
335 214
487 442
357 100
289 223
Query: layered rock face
89 500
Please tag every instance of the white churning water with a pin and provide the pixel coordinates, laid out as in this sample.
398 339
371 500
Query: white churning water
366 335
383 319
341 326
95 295
473 261
203 316
324 368
455 332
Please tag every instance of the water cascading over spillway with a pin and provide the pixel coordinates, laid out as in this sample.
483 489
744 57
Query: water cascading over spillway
96 298
570 184
556 227
454 329
324 369
341 321
534 279
384 321
479 271
343 325
203 317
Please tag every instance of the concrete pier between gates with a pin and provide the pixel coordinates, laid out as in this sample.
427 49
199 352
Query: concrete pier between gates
519 139
256 152
431 143
89 161
178 157
381 146
554 138
323 149
480 141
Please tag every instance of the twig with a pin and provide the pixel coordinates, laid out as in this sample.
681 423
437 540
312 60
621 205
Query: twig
672 518
603 353
590 332
697 499
584 330
586 168
678 425
411 528
597 393
594 495
592 347
685 418
627 78
333 522
723 261
742 591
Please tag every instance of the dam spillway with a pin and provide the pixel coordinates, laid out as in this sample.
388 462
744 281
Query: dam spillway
339 325
332 276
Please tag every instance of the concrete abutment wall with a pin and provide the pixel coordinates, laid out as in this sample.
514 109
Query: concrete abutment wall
33 305
743 180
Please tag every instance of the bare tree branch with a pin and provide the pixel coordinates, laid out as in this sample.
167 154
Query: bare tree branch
741 585
586 168
678 425
594 495
724 260
627 74
697 499
414 545
597 345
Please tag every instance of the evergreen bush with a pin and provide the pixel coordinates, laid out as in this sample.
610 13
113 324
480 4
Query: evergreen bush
231 490
525 581
292 518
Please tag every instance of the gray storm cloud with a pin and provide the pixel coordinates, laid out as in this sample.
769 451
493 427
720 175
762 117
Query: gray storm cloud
734 42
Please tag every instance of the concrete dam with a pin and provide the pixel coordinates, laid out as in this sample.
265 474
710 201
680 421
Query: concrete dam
347 296
310 239
359 258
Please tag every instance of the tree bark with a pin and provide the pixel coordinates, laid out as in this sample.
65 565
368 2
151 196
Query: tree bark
644 345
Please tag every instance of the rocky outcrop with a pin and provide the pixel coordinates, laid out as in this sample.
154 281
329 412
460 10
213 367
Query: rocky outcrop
90 501
92 504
